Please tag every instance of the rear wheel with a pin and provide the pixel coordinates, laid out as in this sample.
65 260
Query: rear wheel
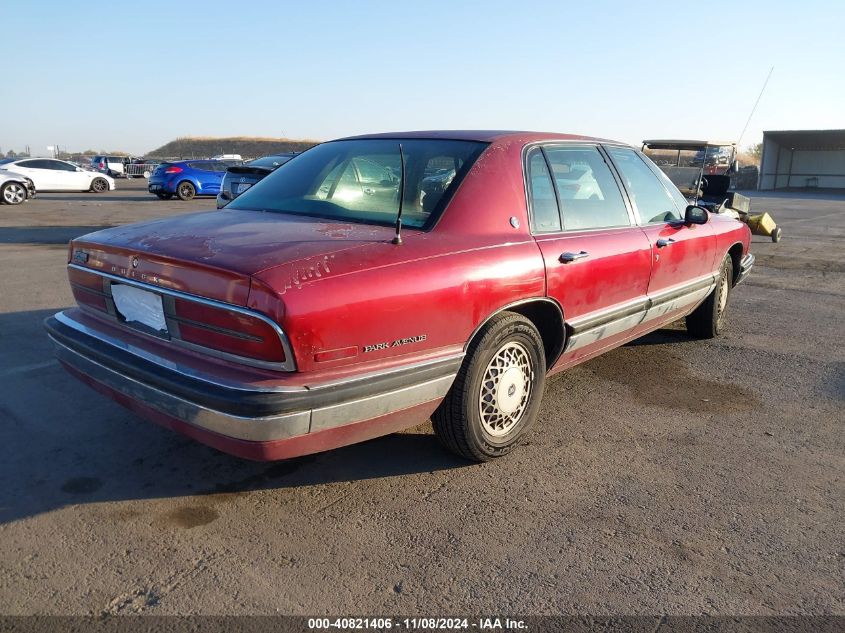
13 193
708 319
496 394
776 234
185 190
99 185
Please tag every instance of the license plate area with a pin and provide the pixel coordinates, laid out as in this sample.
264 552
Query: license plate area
242 186
139 308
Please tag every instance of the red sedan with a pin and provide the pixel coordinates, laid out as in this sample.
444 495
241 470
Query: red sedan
377 281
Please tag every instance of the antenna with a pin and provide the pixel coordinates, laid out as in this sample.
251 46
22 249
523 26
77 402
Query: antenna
765 83
397 239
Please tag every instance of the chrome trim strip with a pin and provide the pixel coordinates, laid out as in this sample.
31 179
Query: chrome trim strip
252 429
259 429
600 324
602 317
288 365
670 294
62 318
379 405
745 267
239 386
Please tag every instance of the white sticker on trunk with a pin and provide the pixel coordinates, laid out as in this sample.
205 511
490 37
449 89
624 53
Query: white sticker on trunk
139 305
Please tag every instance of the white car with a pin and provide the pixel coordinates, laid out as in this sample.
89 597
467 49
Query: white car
50 174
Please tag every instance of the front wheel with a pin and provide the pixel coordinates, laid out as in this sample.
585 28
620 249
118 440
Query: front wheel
496 394
13 193
186 191
776 234
708 319
99 185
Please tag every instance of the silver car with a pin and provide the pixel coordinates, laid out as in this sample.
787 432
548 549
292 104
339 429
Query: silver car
15 188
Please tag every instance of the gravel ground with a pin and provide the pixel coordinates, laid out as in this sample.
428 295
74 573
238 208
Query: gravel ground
668 476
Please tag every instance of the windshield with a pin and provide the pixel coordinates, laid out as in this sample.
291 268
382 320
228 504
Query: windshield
360 181
269 161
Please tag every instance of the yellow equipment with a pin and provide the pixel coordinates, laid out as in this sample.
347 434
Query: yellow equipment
763 224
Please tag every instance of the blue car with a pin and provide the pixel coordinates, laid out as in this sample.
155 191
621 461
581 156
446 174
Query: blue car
186 179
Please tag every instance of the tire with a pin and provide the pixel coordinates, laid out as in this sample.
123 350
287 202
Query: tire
185 190
164 196
497 392
99 185
708 319
776 234
13 193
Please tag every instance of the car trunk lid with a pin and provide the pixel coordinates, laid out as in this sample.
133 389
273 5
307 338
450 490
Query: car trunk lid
216 254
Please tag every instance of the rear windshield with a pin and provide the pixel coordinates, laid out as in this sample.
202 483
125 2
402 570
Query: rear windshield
360 181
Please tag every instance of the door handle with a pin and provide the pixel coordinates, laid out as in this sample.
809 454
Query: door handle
369 191
663 242
567 257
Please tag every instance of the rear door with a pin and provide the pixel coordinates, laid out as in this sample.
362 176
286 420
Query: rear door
682 256
41 173
598 262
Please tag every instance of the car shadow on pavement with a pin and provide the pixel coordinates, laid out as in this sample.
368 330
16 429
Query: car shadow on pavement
670 335
45 234
64 444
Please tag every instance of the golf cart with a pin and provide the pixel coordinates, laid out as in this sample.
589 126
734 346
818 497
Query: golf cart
702 171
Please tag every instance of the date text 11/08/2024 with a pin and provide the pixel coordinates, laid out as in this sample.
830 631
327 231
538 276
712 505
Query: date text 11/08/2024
413 624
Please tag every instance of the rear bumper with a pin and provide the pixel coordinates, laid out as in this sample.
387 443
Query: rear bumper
745 267
257 422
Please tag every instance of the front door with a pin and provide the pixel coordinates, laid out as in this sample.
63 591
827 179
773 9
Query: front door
682 255
598 262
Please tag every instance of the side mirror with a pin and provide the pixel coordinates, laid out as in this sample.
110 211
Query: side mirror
695 215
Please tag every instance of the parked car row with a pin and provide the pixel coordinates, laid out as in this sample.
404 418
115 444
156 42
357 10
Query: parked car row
48 174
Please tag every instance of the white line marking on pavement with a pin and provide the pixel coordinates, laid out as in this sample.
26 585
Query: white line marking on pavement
25 368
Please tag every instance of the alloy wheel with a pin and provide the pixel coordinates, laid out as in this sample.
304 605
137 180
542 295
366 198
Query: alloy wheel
505 389
14 193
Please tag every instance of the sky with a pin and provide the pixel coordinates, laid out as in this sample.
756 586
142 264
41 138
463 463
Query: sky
132 76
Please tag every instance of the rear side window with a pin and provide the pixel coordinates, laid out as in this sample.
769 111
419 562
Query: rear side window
587 193
543 204
38 164
653 201
202 166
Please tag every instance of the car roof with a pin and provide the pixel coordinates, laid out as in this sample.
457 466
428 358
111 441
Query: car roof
486 136
683 144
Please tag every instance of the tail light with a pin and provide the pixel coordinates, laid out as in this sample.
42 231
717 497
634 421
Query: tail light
102 165
210 327
227 331
173 170
87 289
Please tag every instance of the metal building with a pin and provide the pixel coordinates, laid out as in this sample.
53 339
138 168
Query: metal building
803 159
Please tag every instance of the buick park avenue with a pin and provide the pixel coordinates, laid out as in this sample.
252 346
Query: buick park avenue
379 281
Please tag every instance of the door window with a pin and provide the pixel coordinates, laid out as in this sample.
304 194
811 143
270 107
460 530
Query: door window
652 199
36 164
587 193
544 211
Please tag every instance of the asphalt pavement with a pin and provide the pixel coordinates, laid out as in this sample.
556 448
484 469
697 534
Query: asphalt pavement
668 476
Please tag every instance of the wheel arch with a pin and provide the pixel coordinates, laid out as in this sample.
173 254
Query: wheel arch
546 315
735 253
